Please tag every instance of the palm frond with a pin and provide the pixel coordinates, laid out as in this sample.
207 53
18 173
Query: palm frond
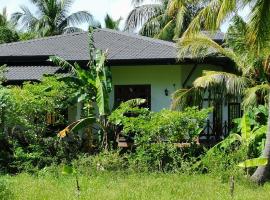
187 97
111 23
259 29
80 17
254 94
227 7
3 17
152 26
180 21
222 82
211 16
58 61
201 46
141 14
26 18
166 33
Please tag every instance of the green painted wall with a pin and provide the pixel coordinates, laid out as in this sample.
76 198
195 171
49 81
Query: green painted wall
159 77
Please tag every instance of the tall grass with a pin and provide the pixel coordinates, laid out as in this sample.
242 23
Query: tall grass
121 186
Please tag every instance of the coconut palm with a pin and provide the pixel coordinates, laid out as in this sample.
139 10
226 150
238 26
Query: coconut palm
110 23
164 19
52 17
251 81
216 12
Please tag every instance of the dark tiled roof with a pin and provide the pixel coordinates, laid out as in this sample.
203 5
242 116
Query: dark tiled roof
74 47
120 46
24 73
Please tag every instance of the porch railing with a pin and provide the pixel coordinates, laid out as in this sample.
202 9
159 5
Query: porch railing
214 132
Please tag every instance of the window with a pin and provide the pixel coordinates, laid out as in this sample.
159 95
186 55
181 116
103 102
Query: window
234 111
126 92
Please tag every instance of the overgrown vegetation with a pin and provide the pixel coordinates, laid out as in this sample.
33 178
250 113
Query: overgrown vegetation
31 116
35 136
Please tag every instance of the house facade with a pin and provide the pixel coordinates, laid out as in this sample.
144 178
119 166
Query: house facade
141 68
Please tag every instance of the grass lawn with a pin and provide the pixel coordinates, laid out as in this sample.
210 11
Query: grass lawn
134 186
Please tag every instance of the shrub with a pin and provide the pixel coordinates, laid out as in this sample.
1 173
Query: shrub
27 126
155 135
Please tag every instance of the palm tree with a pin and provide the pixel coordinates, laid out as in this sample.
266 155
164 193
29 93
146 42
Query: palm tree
216 12
110 23
252 80
52 19
164 19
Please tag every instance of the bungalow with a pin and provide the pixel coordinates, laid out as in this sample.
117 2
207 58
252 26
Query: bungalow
141 67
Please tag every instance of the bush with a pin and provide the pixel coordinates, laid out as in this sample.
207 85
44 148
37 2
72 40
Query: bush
31 117
155 135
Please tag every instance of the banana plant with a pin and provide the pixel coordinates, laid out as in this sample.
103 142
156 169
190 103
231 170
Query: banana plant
94 86
255 162
245 138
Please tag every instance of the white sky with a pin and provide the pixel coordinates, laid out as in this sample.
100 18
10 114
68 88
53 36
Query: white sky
98 8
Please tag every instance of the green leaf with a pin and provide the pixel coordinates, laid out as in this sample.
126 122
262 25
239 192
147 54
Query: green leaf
102 97
76 126
260 132
68 170
256 162
83 123
60 62
245 128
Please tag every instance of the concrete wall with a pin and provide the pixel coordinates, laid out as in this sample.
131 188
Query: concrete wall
159 77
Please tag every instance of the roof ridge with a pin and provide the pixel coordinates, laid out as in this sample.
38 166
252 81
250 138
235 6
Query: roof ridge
42 38
128 34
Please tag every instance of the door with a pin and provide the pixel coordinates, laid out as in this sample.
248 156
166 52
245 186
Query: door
124 93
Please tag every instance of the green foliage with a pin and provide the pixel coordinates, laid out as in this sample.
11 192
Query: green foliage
23 36
172 126
5 191
256 162
7 35
222 162
119 117
111 23
93 85
28 137
165 20
247 143
155 135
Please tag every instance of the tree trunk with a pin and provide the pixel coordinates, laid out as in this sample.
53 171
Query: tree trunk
262 173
